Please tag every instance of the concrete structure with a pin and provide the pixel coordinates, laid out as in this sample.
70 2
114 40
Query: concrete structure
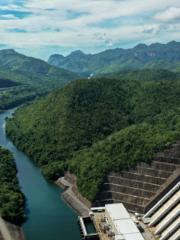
121 223
84 234
141 187
165 215
98 209
4 232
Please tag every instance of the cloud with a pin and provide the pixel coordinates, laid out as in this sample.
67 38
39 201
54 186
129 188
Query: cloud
11 7
102 36
171 15
154 29
10 16
86 24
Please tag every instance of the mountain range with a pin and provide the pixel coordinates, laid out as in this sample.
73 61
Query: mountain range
155 56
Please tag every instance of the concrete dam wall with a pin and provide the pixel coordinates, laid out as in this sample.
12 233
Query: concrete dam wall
141 187
138 188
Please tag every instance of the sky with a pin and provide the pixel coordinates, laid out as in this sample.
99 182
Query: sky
39 28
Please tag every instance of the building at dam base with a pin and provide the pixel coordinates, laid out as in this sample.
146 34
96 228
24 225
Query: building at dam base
163 219
121 223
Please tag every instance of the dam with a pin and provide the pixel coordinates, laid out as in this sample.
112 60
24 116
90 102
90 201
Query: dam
138 188
141 187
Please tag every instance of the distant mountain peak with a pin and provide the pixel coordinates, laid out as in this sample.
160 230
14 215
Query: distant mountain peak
76 53
58 56
153 44
173 42
8 50
140 46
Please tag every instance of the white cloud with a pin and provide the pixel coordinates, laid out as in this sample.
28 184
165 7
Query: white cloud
154 29
82 23
102 37
9 16
11 7
172 14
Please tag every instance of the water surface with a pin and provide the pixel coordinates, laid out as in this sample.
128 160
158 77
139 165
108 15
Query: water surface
48 217
90 228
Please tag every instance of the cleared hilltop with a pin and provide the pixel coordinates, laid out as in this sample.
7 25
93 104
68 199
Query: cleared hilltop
92 127
155 56
29 77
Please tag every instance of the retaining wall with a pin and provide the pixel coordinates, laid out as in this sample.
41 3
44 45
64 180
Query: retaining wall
138 188
71 178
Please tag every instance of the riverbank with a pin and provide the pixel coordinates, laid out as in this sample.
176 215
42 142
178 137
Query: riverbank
15 231
10 231
48 216
71 199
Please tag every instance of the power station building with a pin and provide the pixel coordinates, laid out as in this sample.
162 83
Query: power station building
121 223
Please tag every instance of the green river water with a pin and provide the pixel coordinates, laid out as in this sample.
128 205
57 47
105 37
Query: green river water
48 217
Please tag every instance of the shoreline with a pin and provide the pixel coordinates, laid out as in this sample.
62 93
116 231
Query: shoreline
71 199
10 231
70 206
15 231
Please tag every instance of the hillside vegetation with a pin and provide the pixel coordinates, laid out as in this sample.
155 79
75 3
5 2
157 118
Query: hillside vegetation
155 56
30 78
91 127
12 201
146 75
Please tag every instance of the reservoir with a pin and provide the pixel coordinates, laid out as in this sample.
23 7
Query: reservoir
48 217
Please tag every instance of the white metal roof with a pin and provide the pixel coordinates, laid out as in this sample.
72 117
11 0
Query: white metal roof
117 211
125 226
119 237
134 236
123 223
97 208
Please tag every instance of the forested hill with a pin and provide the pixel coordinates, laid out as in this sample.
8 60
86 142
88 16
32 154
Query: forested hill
33 68
32 78
91 127
12 200
155 56
146 75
